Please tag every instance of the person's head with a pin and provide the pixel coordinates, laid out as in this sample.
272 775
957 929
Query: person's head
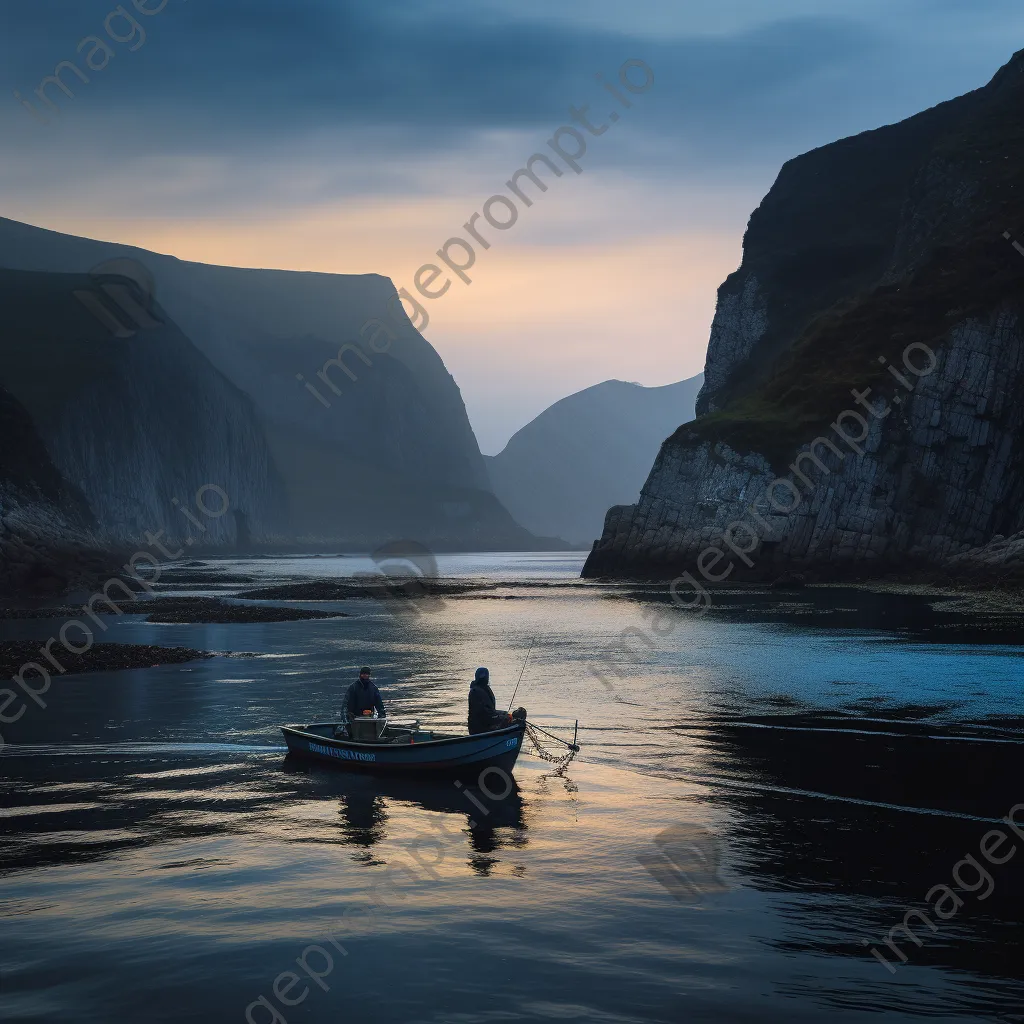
482 676
364 675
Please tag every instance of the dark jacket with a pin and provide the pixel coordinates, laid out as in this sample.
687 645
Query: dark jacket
362 698
483 714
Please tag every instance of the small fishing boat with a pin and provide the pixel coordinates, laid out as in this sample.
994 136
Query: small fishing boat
380 746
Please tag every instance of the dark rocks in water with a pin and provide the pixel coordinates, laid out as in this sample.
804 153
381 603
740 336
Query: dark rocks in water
198 580
204 610
15 654
790 581
388 589
213 611
63 611
304 592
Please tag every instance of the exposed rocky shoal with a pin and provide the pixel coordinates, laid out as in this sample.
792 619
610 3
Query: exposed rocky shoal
389 589
14 654
198 610
210 611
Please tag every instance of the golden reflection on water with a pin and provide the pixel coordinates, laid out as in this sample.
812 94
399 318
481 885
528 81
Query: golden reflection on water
728 835
302 861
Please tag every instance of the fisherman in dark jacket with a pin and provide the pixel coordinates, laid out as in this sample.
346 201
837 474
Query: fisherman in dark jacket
483 713
363 697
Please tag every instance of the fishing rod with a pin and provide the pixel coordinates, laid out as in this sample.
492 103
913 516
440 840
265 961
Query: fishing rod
525 663
572 746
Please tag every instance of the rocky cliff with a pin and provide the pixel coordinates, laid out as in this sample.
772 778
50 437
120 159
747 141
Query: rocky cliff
365 425
47 539
143 428
859 411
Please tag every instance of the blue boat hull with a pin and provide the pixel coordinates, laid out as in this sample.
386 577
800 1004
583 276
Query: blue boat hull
457 755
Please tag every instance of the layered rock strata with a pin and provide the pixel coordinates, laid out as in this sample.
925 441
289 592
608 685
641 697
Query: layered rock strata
821 443
47 539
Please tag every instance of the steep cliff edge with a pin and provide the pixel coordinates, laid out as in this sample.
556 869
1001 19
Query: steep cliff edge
858 413
46 527
370 446
137 426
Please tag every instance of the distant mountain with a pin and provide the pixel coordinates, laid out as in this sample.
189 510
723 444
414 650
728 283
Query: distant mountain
383 450
562 471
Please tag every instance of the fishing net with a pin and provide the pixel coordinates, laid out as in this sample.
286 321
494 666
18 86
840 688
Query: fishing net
561 760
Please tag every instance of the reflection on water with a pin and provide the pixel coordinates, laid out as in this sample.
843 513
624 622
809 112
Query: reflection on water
364 817
490 822
785 782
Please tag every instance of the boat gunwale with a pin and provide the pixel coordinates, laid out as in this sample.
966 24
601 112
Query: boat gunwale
518 727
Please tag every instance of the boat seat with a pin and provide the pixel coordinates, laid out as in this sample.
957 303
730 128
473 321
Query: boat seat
367 730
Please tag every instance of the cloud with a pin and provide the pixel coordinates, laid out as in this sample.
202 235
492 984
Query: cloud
352 98
356 137
241 70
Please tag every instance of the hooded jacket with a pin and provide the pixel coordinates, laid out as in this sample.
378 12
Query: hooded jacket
483 713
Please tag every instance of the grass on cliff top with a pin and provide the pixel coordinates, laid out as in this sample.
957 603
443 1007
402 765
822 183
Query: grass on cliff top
839 351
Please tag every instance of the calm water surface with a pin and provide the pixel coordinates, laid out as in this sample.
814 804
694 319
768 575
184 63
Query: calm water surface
759 790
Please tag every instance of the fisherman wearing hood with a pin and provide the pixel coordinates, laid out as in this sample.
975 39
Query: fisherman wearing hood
483 713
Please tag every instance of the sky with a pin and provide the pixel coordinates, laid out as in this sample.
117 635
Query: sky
353 137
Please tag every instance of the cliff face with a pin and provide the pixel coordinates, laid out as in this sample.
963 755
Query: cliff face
137 426
858 413
46 528
383 449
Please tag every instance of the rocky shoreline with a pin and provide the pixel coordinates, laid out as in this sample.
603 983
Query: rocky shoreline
16 654
213 611
387 589
184 610
976 586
